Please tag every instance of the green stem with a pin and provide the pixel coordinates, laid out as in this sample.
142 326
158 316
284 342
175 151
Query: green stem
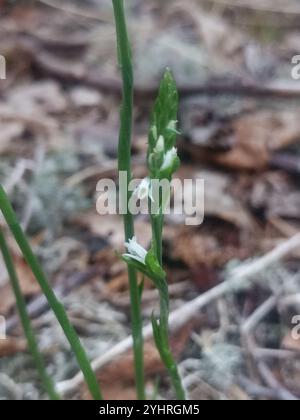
164 346
124 165
25 320
165 349
55 305
156 222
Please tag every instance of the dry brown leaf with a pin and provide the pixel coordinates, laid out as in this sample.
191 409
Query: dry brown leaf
118 284
221 203
275 193
85 97
38 97
28 284
290 343
257 136
209 248
11 346
111 228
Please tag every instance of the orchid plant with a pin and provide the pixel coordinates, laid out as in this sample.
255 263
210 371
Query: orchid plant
162 162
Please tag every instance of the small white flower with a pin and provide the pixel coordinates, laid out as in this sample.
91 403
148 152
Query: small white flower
172 126
160 145
169 159
135 251
144 190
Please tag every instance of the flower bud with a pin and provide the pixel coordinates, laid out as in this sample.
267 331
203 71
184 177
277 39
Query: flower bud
172 126
144 190
160 145
170 160
135 251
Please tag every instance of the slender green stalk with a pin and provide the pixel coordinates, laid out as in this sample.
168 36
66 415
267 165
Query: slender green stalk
55 305
25 320
163 162
124 154
163 344
157 230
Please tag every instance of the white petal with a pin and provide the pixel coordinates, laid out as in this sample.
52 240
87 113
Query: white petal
173 126
160 145
135 250
142 191
170 156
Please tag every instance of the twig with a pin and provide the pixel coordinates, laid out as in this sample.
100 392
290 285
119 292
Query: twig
16 175
247 337
286 161
290 300
258 315
261 353
76 11
105 170
28 206
257 7
239 277
269 378
60 69
255 390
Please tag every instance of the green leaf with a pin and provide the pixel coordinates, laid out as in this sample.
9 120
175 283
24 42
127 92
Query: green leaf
151 268
156 271
135 264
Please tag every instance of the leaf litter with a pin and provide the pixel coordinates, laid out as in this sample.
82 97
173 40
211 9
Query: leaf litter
245 146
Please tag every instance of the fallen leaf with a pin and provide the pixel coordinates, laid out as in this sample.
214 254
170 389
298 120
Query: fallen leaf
220 199
276 194
85 97
11 346
111 228
289 343
38 97
28 284
209 246
257 136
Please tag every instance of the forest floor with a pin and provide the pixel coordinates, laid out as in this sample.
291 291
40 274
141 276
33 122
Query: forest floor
239 116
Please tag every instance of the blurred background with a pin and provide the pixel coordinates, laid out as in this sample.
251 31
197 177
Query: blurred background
239 116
